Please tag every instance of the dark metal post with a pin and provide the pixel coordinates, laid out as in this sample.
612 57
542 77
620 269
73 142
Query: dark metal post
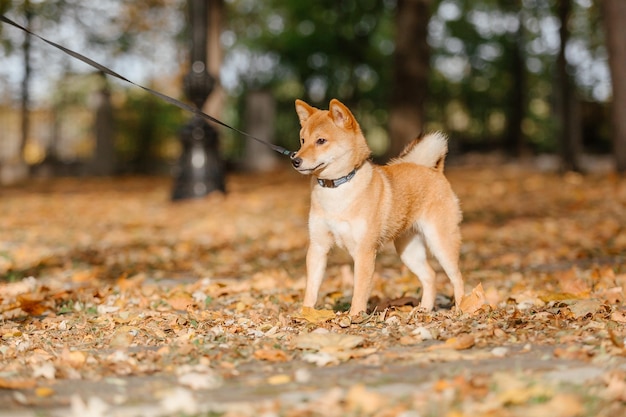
200 169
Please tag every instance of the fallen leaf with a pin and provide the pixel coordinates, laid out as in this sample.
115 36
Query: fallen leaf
561 296
582 308
618 316
32 303
574 353
472 302
74 358
409 340
43 392
570 282
126 284
8 383
180 300
279 379
613 295
327 342
271 355
461 342
315 316
123 337
382 305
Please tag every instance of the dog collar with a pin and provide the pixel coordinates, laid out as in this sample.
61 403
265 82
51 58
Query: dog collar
336 183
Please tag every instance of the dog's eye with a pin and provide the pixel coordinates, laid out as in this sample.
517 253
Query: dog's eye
321 141
302 141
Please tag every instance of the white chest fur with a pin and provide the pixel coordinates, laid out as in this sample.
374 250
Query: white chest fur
336 214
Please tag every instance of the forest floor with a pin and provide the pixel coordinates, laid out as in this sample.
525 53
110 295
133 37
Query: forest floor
115 301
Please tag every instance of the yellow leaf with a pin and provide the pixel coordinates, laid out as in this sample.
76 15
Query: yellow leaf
74 358
559 296
279 379
180 300
473 301
315 316
271 355
43 392
461 342
6 383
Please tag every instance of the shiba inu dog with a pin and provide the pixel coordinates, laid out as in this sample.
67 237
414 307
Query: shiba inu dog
359 205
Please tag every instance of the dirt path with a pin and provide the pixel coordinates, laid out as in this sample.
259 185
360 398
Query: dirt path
116 302
442 385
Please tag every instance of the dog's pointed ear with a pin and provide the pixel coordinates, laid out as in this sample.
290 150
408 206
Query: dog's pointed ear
304 111
342 116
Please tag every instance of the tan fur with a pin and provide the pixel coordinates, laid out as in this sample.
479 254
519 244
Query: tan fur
408 201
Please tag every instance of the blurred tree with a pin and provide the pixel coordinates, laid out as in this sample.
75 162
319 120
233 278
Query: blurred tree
411 66
4 6
31 12
123 28
103 161
614 18
25 86
515 143
478 86
146 133
492 62
315 52
570 134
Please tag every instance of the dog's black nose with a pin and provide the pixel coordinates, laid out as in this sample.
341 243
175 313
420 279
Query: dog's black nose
296 162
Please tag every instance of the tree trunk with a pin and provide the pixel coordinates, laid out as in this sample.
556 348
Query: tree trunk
570 130
411 69
215 55
515 143
260 121
25 93
614 18
104 157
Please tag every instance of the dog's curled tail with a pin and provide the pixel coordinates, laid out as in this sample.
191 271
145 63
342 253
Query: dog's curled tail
429 150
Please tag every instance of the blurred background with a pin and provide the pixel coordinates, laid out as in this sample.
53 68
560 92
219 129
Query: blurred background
515 78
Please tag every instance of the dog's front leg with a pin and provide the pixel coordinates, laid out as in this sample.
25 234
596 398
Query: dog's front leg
364 264
315 266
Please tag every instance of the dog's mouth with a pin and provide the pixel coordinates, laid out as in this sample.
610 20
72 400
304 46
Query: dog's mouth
303 170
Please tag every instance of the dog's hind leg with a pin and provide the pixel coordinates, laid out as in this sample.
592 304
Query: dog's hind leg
412 250
444 242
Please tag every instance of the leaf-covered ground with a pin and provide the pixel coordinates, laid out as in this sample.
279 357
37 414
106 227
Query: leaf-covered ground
116 302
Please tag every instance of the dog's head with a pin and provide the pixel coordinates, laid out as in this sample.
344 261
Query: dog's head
331 141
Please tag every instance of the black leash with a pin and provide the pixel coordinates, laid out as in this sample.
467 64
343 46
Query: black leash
162 96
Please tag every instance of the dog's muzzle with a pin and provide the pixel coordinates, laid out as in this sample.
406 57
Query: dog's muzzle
295 161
